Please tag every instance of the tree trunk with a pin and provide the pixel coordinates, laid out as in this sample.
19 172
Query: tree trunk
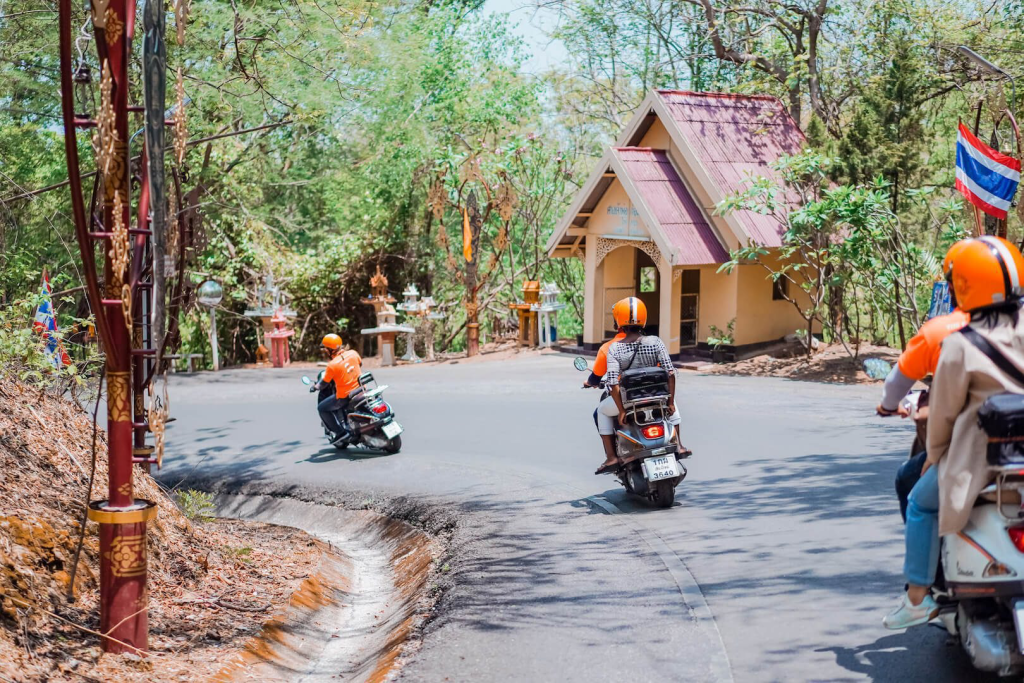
472 268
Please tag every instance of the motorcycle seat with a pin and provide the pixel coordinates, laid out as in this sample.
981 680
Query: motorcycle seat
355 394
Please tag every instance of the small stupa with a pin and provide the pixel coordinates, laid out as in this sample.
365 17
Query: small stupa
387 318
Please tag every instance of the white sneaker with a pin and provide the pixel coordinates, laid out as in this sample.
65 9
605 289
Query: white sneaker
907 615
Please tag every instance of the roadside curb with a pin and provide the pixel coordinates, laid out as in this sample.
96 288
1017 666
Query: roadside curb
354 618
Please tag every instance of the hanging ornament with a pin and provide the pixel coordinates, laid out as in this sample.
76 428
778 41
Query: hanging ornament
180 130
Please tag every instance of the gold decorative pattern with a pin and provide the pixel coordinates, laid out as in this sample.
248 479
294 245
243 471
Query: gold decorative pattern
104 140
114 26
141 511
437 197
125 489
127 555
119 246
118 392
181 8
126 305
99 13
507 200
180 125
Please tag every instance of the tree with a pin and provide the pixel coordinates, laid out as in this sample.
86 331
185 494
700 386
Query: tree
842 247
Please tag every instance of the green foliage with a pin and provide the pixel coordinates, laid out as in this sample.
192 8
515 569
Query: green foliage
844 251
197 506
720 337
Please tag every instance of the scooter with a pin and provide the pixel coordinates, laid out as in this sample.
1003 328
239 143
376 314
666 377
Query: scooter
371 421
980 584
647 444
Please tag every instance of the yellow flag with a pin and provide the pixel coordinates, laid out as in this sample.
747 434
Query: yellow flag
467 237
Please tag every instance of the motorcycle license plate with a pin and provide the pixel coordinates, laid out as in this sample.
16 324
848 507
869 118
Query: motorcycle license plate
392 429
661 467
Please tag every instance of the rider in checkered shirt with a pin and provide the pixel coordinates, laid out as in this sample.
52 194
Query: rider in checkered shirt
634 351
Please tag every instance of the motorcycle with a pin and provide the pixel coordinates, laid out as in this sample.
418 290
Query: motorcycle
647 444
980 581
371 421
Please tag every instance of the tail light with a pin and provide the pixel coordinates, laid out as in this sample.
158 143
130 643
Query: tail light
656 432
380 408
1017 536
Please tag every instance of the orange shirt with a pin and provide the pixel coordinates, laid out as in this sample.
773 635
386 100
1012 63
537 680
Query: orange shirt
344 369
601 363
922 352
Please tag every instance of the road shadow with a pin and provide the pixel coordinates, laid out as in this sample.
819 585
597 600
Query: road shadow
914 649
332 454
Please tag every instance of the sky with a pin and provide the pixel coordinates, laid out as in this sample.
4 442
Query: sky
532 25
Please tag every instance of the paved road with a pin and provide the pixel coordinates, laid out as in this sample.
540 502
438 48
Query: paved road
787 522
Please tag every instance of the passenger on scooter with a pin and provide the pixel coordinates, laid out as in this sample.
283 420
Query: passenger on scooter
633 351
986 276
343 369
917 362
601 362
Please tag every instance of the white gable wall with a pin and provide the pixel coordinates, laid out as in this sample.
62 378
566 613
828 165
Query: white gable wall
615 215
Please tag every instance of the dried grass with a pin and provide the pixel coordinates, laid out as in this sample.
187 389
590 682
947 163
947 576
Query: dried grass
211 585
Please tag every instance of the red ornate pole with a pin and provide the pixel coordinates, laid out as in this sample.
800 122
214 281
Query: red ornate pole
122 518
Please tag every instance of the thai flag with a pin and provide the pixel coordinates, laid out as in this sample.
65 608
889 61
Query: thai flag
46 323
986 177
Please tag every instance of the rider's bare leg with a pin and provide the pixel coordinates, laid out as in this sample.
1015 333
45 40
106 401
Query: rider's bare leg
610 458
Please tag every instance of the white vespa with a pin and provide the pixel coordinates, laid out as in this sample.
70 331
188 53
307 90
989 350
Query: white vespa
980 586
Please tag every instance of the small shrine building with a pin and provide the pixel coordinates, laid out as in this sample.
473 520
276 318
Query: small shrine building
645 223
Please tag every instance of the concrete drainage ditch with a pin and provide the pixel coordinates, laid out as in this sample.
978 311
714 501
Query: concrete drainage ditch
352 620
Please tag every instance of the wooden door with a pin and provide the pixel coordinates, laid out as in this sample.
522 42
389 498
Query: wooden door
689 309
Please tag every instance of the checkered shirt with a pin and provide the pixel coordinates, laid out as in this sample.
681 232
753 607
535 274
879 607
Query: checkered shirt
650 352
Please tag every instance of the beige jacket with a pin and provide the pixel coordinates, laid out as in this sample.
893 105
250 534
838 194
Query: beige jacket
964 378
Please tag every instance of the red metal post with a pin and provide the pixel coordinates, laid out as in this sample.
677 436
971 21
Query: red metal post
124 611
122 518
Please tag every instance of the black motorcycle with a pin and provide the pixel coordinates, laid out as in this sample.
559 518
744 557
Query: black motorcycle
371 421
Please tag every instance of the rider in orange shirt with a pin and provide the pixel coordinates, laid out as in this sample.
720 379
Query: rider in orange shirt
601 362
917 362
343 369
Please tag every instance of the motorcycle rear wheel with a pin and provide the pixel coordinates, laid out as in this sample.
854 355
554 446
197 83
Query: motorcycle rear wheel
394 445
664 494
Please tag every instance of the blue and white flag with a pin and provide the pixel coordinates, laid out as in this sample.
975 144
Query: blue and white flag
45 323
986 177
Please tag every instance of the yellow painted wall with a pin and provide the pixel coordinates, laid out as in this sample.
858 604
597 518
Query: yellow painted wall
717 301
656 137
759 317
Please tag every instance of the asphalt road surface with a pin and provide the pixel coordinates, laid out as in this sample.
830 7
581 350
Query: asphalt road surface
777 562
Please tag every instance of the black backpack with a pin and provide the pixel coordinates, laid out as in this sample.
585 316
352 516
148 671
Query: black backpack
1002 415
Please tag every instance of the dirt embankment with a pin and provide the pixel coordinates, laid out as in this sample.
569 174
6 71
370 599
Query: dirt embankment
829 364
212 584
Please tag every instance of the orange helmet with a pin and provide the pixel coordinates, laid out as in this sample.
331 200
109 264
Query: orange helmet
630 311
947 263
331 341
987 272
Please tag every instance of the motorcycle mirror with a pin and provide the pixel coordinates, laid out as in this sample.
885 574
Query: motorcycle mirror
877 368
307 381
580 363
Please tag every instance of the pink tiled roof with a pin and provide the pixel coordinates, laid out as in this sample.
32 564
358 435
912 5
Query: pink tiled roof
736 137
677 214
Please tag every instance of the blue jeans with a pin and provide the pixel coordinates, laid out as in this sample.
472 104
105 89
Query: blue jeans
331 411
906 478
922 533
